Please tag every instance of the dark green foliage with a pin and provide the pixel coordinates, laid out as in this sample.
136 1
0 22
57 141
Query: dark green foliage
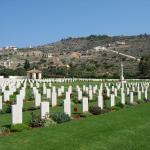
95 110
29 94
140 102
10 72
36 121
20 72
61 103
85 94
120 105
60 117
135 93
8 106
144 66
105 97
26 64
2 112
104 111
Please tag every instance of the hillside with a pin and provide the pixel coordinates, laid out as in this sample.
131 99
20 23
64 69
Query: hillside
84 59
135 45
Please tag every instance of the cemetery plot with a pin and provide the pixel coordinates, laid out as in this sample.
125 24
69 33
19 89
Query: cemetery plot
44 102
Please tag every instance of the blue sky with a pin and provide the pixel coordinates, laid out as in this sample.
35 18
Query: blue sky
35 22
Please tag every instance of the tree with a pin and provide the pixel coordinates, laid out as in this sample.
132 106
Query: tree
26 64
144 66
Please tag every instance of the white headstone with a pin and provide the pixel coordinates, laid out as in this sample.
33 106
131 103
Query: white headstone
37 99
145 94
85 104
67 107
16 114
54 98
100 101
44 110
19 100
90 94
48 93
131 97
1 104
123 98
139 95
112 100
79 95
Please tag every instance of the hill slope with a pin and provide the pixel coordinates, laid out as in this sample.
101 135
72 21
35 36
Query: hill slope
82 57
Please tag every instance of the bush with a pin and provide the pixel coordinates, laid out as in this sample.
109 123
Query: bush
60 117
95 110
36 121
2 112
85 114
19 127
8 106
49 122
4 131
120 105
61 103
135 93
85 94
114 108
104 111
8 109
105 97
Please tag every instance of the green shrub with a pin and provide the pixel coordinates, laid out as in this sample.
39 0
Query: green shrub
85 114
60 117
104 111
105 97
4 131
8 106
120 105
19 127
36 121
61 103
8 109
114 108
2 112
140 102
135 93
85 94
95 110
48 122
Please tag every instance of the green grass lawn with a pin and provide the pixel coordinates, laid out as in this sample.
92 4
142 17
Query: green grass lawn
126 129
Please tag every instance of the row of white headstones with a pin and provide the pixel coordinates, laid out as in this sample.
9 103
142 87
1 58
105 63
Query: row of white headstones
52 93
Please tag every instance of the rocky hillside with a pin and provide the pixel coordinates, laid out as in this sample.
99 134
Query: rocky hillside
135 45
85 59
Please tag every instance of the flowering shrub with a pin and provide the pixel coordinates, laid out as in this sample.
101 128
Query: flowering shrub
60 117
36 121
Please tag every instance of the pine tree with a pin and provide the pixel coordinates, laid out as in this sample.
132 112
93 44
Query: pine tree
26 64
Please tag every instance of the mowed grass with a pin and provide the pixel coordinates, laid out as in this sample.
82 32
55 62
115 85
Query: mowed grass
126 129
